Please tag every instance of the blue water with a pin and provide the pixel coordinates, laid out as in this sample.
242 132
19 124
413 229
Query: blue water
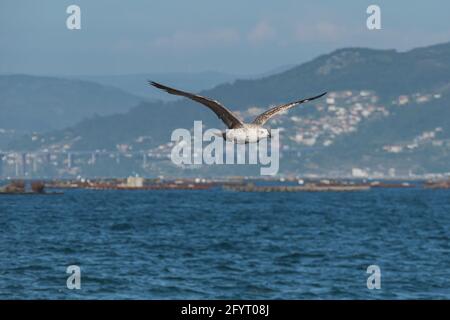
216 244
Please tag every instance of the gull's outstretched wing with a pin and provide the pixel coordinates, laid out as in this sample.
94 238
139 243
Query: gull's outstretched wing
223 113
265 116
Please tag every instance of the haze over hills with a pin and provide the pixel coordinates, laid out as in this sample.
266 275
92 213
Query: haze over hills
136 84
36 103
386 111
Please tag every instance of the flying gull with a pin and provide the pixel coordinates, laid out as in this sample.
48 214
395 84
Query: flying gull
239 131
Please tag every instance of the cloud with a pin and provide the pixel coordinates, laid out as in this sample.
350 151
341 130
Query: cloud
197 39
261 32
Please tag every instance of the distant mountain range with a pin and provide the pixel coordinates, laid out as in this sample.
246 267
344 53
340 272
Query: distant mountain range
44 103
136 84
36 103
386 110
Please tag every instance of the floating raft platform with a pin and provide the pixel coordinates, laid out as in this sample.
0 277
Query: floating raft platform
152 187
31 193
307 188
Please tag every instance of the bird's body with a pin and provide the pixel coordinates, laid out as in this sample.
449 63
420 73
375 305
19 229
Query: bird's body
238 131
248 133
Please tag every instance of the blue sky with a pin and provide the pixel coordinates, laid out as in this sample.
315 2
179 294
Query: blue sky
240 37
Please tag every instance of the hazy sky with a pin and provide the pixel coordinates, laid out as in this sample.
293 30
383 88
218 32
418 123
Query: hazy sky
235 36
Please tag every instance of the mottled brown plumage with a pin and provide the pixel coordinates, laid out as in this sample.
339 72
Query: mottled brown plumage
265 116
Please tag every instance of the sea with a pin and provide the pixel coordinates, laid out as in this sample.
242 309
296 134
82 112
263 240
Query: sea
216 244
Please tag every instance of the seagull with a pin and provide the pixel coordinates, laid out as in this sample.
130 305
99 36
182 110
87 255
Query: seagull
238 131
